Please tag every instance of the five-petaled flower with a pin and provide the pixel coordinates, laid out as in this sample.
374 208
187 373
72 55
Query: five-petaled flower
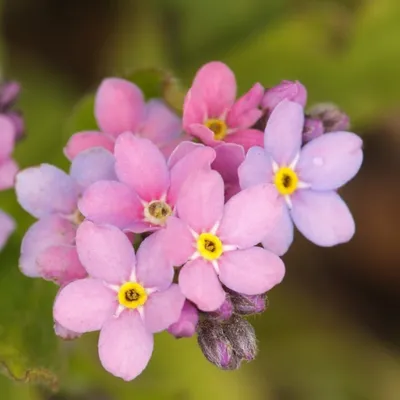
127 297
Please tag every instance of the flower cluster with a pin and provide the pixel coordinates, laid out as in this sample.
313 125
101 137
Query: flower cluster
179 225
11 129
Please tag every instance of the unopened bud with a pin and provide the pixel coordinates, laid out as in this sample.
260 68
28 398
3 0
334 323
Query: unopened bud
249 304
8 94
293 91
242 337
187 322
331 116
215 346
313 128
224 312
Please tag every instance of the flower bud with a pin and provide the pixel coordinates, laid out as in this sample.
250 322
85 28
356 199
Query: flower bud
224 312
249 304
313 128
187 322
215 345
8 94
242 337
331 116
293 91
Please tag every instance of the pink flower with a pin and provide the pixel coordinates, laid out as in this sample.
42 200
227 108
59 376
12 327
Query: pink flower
120 107
148 186
186 325
127 297
211 113
215 241
305 178
51 195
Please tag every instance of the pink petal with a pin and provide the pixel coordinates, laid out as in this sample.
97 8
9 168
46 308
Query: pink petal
168 147
60 263
229 157
161 124
93 165
246 138
245 112
251 271
322 217
182 150
154 270
46 190
201 200
105 252
114 203
119 106
162 309
256 168
8 171
141 165
199 283
200 158
279 239
84 305
7 227
7 138
331 160
203 133
125 346
187 322
194 111
250 215
49 231
82 141
178 242
283 132
215 86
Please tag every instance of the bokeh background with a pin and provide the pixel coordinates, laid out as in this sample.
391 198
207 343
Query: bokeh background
332 331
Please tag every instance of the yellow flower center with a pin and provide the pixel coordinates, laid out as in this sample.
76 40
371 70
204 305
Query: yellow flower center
286 180
218 126
157 212
132 295
77 217
209 246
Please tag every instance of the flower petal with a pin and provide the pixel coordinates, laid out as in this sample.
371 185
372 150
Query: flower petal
256 168
154 269
283 132
245 112
119 106
199 283
215 85
229 157
60 263
105 252
201 200
84 305
161 124
46 190
7 138
247 138
322 217
125 346
331 160
203 133
114 203
82 141
200 158
194 111
279 239
186 325
141 165
182 150
7 227
8 171
93 165
48 231
250 271
249 216
177 241
162 309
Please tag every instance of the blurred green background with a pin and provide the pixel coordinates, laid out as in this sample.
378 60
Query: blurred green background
332 331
